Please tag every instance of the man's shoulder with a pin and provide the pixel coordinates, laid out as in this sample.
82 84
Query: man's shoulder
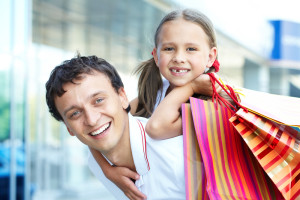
143 120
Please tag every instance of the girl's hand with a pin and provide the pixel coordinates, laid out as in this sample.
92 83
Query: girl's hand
202 85
121 176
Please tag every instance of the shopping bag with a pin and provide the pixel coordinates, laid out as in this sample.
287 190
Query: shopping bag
194 170
278 108
231 170
275 146
281 111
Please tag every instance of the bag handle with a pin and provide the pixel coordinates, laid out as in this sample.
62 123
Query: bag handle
216 96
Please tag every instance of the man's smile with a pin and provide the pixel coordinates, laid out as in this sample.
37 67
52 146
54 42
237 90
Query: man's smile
101 130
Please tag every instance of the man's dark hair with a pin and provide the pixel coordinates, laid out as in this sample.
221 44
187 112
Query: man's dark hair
73 69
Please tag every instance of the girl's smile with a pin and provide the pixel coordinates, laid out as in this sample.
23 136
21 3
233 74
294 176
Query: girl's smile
177 71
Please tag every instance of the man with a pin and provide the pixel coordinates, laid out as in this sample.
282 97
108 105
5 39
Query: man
87 94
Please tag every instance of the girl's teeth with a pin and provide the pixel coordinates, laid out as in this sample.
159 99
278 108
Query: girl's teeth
179 71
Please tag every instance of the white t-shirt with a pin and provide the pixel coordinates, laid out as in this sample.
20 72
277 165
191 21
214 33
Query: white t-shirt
162 93
159 163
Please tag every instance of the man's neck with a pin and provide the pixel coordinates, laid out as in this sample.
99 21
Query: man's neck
121 155
122 159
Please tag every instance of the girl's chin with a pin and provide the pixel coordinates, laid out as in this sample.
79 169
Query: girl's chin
178 84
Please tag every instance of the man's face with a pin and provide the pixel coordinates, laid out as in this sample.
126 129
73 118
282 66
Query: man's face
94 112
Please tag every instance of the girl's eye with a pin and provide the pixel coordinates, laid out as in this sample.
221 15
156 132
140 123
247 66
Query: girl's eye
191 49
168 49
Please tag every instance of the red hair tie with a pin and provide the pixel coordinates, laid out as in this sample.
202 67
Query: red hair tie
216 65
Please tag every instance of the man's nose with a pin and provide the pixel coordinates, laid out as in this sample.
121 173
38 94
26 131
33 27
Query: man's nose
91 117
179 56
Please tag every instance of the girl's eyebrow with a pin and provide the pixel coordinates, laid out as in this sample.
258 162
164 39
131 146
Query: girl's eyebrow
193 44
172 43
167 43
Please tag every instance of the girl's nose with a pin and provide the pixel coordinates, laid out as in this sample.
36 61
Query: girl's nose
179 57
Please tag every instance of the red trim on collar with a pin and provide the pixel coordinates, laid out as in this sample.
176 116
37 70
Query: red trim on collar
144 143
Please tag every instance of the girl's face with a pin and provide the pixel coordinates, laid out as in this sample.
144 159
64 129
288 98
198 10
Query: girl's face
183 52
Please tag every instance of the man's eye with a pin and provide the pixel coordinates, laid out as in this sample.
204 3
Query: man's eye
99 100
74 114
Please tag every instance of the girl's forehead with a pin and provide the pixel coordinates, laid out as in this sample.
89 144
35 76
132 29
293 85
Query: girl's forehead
180 24
178 20
181 28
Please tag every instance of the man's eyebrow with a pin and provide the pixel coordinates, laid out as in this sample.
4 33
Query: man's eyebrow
95 94
68 109
89 97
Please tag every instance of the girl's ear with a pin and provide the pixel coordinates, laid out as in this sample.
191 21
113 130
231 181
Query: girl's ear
70 132
212 56
154 54
123 98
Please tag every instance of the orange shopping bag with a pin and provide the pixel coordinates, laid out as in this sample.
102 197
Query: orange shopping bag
275 146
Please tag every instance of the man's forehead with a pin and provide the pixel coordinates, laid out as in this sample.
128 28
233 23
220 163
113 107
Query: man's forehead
87 82
91 72
93 75
82 89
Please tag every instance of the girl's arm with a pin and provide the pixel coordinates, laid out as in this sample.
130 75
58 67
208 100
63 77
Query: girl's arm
165 121
120 176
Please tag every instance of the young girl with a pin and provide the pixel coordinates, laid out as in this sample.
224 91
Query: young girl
185 47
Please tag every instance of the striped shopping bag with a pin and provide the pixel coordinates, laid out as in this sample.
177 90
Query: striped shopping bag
230 169
195 179
275 146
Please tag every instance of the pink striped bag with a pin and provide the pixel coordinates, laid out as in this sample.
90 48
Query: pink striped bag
227 168
195 179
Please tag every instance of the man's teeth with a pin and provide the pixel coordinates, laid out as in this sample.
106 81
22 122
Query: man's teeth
179 70
101 130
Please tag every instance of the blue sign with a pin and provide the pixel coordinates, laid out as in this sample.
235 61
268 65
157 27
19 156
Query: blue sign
286 41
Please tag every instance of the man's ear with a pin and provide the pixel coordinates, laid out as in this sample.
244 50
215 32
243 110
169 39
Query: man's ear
212 56
123 98
154 54
70 132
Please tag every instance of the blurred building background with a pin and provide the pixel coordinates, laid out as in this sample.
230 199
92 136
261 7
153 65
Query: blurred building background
38 158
